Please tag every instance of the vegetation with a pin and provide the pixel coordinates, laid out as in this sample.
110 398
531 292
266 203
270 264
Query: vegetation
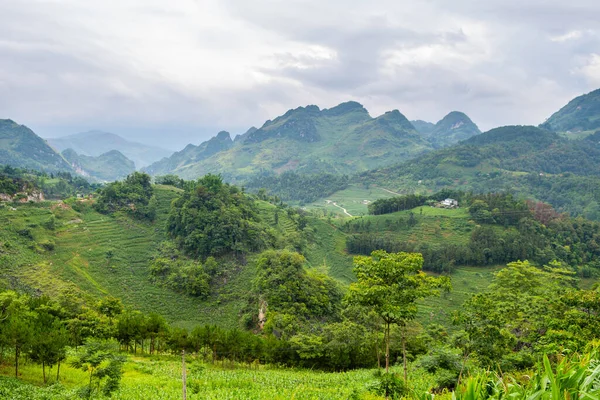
214 218
134 195
581 114
108 166
451 129
290 186
21 147
18 183
307 140
96 143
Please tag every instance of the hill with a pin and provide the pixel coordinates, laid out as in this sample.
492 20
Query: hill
453 128
106 167
191 154
343 139
96 143
21 147
533 162
579 115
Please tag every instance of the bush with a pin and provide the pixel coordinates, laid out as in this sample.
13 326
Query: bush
389 385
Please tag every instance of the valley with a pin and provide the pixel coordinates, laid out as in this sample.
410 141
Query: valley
295 259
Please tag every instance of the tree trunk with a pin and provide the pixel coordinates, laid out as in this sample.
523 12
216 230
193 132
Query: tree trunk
387 347
404 353
58 371
16 361
44 371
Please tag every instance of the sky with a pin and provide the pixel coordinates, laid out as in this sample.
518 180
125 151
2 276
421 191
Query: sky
177 72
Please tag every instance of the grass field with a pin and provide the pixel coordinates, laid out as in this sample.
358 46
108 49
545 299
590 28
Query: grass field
432 225
159 378
354 199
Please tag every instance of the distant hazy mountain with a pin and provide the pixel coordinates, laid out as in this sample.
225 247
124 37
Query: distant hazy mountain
95 143
21 147
580 114
109 166
423 127
451 129
343 139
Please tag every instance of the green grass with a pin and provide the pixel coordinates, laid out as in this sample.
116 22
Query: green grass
466 281
354 199
434 226
79 264
159 378
328 250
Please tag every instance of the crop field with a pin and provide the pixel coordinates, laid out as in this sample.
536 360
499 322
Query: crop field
160 378
466 281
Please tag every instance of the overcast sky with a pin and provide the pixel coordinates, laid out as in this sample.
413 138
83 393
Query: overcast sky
174 72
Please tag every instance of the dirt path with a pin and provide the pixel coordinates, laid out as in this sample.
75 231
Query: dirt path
389 191
343 209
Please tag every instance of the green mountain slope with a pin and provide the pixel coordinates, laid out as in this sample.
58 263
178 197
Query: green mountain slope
451 129
343 139
96 143
580 114
21 147
191 154
423 127
109 166
524 159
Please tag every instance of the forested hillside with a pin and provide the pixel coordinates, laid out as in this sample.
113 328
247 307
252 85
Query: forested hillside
526 161
343 139
106 167
20 147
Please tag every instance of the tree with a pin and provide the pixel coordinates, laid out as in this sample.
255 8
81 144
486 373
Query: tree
391 284
105 366
16 324
49 342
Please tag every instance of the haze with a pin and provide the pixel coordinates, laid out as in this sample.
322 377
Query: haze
173 74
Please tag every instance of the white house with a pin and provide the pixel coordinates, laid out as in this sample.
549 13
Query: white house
449 203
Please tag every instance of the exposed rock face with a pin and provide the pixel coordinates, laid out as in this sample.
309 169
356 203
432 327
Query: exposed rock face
23 197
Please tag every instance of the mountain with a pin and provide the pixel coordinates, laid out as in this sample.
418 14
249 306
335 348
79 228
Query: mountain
525 160
343 139
21 147
423 127
580 114
451 129
110 166
95 143
192 154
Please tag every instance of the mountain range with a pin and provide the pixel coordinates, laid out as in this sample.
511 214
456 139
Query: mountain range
109 166
344 139
96 143
341 140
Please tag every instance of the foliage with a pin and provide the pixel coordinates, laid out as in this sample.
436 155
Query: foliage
104 365
390 284
22 148
108 166
304 188
181 273
289 289
134 195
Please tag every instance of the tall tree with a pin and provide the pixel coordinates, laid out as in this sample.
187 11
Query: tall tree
391 284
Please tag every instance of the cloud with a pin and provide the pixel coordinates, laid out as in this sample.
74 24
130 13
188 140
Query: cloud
173 73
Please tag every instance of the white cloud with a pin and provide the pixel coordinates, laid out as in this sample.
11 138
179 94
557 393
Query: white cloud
148 65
